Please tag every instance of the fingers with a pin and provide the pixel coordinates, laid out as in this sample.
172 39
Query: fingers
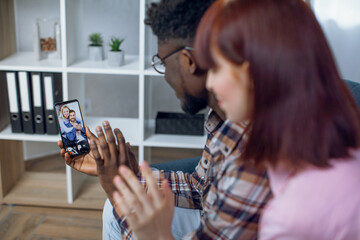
110 139
129 199
133 182
152 182
62 153
103 143
122 148
122 209
60 144
132 160
90 135
66 156
96 154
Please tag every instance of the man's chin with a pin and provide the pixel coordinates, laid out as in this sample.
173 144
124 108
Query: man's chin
193 105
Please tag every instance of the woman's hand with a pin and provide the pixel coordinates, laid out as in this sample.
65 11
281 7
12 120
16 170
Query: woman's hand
149 215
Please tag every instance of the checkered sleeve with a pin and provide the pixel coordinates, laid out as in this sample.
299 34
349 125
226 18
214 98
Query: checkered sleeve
233 205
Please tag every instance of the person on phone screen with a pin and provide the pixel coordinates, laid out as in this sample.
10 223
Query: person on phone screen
77 133
64 123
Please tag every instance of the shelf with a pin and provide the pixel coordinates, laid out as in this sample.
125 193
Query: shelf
49 189
25 61
175 141
102 87
128 126
171 140
6 134
131 66
151 72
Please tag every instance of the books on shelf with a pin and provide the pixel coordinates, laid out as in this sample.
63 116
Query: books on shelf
30 97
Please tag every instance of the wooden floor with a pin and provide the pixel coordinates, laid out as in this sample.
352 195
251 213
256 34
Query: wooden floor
35 223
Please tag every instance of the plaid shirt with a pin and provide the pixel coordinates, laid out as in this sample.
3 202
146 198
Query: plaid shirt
230 195
238 193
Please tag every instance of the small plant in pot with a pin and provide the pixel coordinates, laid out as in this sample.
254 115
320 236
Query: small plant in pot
96 47
116 56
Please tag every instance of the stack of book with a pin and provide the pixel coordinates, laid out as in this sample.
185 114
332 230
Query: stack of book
31 98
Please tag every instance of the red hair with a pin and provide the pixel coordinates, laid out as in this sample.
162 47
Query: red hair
303 111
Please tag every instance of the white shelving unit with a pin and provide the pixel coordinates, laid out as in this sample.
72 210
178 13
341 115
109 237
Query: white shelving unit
78 19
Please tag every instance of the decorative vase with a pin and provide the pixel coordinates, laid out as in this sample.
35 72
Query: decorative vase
46 37
96 53
116 59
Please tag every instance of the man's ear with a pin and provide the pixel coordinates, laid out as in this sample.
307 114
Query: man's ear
187 61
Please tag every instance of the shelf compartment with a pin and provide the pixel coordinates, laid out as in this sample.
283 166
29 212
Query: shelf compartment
175 141
131 66
49 189
119 18
128 126
25 61
169 140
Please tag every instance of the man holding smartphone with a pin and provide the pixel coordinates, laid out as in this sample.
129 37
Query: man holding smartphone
174 22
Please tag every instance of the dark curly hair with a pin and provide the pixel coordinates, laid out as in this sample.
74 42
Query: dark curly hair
176 19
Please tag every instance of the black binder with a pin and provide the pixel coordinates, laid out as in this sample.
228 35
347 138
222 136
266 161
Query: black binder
26 102
4 103
38 102
14 102
52 85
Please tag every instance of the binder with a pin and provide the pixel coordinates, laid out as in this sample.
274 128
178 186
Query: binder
14 102
52 83
26 102
38 103
4 103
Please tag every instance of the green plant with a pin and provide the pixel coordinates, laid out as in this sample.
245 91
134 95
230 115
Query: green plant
115 44
95 40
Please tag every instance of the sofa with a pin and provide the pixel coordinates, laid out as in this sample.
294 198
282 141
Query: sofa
188 165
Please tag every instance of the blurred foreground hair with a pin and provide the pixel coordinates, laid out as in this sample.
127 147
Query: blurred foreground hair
303 112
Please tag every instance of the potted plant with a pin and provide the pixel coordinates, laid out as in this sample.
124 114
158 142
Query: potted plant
116 56
96 47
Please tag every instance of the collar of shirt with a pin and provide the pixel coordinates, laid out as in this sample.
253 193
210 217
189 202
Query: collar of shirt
213 122
228 137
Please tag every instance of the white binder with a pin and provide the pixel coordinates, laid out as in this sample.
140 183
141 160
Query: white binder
14 102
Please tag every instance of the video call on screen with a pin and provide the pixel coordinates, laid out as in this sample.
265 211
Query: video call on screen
72 128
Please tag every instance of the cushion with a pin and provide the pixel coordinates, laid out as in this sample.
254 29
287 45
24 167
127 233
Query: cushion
355 90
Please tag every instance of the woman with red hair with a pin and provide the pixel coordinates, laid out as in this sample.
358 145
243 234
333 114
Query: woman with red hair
270 66
269 63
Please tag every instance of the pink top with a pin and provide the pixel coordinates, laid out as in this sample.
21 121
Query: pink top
319 204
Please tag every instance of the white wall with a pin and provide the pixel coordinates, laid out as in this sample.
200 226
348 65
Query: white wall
340 20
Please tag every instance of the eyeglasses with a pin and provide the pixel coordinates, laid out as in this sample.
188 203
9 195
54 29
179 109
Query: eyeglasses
158 63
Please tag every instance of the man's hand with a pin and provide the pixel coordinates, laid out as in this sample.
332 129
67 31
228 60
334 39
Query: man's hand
112 157
84 163
78 126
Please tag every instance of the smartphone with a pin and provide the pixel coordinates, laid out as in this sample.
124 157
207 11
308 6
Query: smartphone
72 127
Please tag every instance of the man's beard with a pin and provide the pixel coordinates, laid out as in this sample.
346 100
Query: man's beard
193 105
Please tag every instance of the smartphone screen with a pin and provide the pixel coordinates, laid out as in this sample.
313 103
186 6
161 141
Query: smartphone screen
72 128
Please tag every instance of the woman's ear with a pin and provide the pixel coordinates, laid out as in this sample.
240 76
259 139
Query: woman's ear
187 61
